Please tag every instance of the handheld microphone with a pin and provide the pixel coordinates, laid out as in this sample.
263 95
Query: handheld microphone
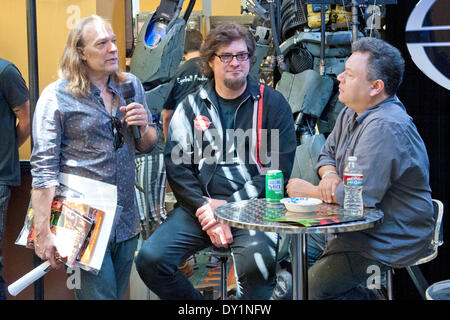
128 93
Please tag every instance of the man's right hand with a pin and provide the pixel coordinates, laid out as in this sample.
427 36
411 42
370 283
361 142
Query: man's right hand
220 235
45 248
44 240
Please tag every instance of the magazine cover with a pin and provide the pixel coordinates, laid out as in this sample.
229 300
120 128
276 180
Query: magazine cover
76 227
82 217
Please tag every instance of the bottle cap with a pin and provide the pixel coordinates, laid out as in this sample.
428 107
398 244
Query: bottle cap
352 158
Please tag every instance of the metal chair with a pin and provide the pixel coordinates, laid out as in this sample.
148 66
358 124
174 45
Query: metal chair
439 291
222 254
414 270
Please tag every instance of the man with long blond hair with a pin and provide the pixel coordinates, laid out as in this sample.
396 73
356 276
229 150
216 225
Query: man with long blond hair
82 126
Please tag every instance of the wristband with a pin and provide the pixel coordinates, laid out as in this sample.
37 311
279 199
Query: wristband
146 129
327 172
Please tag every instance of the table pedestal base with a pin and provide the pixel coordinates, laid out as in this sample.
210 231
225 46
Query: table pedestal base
299 267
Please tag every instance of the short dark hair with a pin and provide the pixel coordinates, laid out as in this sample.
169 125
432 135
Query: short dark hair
193 41
223 35
385 62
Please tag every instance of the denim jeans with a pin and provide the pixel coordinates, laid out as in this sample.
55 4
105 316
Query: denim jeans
112 280
316 243
180 236
346 276
5 193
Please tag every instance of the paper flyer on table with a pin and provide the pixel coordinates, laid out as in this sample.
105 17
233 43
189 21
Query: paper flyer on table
102 197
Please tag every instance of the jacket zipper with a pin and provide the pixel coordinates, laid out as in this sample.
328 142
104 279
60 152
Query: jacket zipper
234 125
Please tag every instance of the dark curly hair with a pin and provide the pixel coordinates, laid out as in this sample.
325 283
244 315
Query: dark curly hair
223 35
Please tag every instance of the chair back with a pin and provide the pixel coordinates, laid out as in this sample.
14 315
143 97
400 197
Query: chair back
413 270
438 237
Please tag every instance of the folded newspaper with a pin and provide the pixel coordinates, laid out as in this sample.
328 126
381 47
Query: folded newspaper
82 217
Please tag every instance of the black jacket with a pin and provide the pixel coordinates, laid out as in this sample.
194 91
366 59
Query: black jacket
193 147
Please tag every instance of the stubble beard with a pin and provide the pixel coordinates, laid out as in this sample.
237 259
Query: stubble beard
235 84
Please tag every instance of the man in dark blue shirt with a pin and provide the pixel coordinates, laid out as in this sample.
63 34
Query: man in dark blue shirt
14 105
393 158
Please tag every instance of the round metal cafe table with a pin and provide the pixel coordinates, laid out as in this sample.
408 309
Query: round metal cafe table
251 214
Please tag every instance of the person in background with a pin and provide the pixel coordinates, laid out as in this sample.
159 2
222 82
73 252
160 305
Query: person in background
82 126
230 101
14 131
187 79
375 127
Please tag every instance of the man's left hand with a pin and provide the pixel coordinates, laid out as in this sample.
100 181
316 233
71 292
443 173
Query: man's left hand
220 235
327 186
205 214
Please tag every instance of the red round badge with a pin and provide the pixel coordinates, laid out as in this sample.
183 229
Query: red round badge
202 123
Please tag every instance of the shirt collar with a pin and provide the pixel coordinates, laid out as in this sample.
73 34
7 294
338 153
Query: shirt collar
370 110
112 86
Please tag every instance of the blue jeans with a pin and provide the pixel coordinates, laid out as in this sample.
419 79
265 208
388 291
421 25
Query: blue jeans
180 236
112 280
5 193
345 276
316 243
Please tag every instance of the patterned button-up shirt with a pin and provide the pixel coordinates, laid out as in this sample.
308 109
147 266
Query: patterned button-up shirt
74 135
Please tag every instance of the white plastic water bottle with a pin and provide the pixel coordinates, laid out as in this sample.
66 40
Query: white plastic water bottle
353 184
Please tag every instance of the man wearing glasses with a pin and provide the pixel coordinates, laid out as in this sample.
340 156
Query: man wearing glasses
210 161
82 126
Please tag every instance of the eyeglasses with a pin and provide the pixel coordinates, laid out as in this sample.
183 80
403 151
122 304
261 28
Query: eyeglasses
116 126
227 58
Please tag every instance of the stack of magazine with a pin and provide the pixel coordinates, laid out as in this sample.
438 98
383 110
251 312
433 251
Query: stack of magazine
82 218
76 227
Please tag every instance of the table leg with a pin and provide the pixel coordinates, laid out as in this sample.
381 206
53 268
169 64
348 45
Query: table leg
299 267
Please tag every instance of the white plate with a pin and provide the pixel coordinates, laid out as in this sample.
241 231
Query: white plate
303 204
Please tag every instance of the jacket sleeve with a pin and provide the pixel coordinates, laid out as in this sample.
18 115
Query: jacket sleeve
280 148
178 157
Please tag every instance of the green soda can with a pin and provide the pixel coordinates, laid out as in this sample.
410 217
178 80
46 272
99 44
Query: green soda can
274 186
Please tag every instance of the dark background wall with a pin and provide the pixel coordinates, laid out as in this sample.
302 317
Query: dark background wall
429 105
